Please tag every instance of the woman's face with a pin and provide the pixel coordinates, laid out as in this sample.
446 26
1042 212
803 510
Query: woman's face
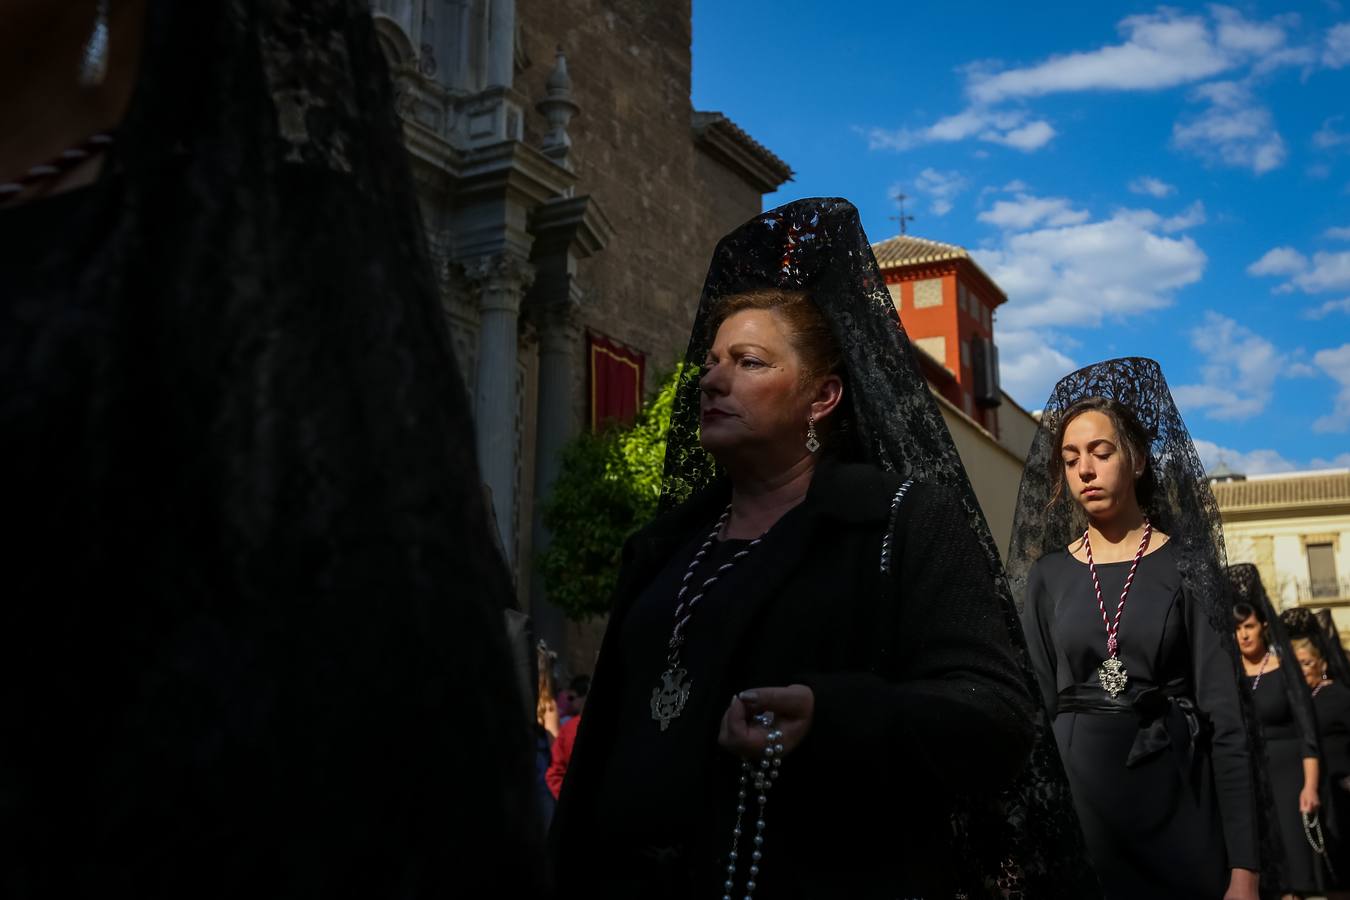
1313 666
753 400
1251 637
1095 470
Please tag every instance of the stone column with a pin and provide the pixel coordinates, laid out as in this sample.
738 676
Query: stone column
501 282
559 352
501 43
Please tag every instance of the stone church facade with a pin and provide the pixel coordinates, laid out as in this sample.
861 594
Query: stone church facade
572 197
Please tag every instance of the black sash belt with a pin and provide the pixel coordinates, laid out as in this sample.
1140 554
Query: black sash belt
1167 717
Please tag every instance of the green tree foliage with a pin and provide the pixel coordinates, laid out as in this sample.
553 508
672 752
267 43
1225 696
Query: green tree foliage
607 489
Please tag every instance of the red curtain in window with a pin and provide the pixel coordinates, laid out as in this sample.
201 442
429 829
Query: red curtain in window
615 380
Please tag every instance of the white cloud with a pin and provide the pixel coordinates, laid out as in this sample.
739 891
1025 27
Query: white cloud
1030 363
1252 462
1007 127
1337 234
1336 53
1235 130
1083 274
1326 309
1327 137
1239 370
1329 272
1339 461
1237 33
1031 136
1324 272
1279 261
1161 50
1261 462
1027 211
942 187
1015 186
1335 364
1153 187
1190 217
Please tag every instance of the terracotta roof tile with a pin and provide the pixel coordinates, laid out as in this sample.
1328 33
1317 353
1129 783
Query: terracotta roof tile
907 250
1300 490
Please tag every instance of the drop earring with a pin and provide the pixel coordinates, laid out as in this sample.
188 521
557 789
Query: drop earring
812 439
94 60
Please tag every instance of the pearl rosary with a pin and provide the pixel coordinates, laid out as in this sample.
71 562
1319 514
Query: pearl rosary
763 779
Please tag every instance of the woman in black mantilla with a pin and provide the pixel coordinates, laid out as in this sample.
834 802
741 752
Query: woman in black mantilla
251 643
1117 559
822 600
1326 671
1290 760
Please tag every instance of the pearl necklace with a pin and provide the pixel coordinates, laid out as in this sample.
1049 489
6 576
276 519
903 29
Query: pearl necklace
671 695
1261 671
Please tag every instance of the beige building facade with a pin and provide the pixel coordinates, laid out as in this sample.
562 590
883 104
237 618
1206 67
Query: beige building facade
1295 528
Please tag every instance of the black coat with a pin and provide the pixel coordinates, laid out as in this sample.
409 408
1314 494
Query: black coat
918 694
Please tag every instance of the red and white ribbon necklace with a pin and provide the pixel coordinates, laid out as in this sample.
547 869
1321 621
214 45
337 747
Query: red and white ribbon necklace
1113 627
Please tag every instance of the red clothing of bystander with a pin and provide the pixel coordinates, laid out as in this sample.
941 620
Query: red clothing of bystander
562 754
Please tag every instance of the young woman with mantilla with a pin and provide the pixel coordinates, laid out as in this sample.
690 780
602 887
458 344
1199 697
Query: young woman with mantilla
1290 760
1117 559
812 662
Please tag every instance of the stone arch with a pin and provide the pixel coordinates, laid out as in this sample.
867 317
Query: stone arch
394 42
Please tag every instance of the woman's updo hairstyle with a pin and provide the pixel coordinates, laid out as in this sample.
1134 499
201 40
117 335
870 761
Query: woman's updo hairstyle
807 328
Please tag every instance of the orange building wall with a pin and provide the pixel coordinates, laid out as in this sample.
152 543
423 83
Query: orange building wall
952 323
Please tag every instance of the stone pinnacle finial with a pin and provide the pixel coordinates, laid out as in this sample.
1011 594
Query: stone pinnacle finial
558 108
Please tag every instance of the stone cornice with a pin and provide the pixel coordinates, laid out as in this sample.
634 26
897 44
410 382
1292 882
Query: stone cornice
726 142
512 168
575 224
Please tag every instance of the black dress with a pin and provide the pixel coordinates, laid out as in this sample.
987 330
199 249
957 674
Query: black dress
1332 703
1285 750
1165 815
917 696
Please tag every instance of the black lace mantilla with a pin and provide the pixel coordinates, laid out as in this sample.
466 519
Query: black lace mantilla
1247 587
1245 580
1182 506
1318 627
255 633
1026 843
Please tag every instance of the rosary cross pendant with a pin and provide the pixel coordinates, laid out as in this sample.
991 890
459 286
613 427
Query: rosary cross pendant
1111 673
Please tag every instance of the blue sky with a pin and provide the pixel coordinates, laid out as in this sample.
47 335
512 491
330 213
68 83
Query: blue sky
1168 181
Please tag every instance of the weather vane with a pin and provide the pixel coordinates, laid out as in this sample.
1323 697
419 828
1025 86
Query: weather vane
900 199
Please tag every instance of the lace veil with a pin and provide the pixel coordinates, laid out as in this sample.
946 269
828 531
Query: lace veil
1029 840
314 591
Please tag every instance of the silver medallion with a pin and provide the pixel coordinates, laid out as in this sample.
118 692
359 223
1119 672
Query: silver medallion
1111 673
669 699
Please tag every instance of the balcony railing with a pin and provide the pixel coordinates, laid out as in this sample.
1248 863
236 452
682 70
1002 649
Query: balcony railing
1321 591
